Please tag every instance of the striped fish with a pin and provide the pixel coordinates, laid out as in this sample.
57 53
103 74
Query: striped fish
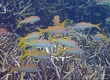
71 51
38 43
37 55
25 68
65 42
84 25
31 19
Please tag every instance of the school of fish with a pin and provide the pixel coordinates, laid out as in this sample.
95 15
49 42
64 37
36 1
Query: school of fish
65 51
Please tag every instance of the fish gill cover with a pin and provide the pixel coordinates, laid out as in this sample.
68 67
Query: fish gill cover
54 40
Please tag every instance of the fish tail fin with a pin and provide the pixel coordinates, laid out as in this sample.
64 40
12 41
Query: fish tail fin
12 69
106 39
24 44
25 54
19 22
41 31
97 26
21 40
52 39
63 23
59 52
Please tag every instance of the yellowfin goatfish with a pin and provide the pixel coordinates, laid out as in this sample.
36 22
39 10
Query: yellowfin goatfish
54 30
37 55
29 37
37 43
67 42
56 21
25 68
71 51
84 25
103 2
31 19
99 36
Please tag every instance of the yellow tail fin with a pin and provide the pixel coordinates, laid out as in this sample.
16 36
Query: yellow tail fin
26 53
97 26
52 39
19 23
63 23
12 69
59 53
106 39
21 40
24 44
41 31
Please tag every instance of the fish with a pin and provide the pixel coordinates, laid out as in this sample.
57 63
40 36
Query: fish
53 30
25 68
4 32
56 21
37 43
85 25
99 36
103 2
31 19
67 42
37 55
108 19
70 51
29 37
